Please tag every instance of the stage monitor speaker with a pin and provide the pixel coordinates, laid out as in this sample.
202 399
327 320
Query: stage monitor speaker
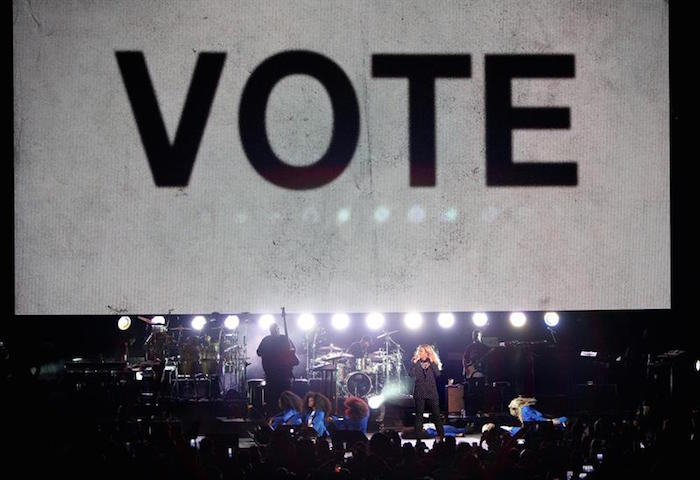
301 386
455 398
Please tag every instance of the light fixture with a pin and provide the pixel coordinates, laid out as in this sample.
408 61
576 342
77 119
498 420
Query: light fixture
306 321
551 319
340 321
375 321
266 321
198 322
413 320
446 320
480 319
518 319
232 322
124 323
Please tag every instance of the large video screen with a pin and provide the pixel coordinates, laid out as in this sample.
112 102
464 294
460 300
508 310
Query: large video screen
183 157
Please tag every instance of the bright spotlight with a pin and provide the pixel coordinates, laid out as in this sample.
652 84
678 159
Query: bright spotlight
446 320
697 365
124 323
517 319
266 321
375 321
198 322
480 319
159 320
340 321
232 322
413 320
551 319
306 321
375 401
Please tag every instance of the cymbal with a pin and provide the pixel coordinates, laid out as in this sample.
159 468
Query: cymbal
335 356
325 366
180 328
330 348
386 334
378 355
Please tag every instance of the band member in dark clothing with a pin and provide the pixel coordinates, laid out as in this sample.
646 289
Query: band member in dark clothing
426 367
474 355
360 349
278 358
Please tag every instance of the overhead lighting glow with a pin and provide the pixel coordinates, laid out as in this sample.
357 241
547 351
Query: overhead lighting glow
413 320
198 322
124 323
340 321
266 321
551 319
375 321
480 319
306 321
446 320
518 319
232 322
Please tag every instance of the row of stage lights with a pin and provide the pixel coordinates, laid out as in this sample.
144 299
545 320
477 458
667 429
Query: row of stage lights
341 321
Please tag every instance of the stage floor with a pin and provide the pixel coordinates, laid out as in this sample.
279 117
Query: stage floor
247 442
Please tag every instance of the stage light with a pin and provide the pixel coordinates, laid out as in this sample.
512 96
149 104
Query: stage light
697 365
446 320
551 319
518 319
375 401
306 321
413 320
158 320
480 319
232 322
375 321
124 323
198 322
266 321
340 321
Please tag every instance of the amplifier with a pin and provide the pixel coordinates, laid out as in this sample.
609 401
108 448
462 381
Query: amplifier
455 398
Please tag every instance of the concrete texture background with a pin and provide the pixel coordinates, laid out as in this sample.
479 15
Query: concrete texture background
93 235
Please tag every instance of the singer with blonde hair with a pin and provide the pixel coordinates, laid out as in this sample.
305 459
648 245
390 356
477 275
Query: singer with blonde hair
425 369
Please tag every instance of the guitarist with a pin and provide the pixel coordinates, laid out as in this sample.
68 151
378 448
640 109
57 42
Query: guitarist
278 359
473 356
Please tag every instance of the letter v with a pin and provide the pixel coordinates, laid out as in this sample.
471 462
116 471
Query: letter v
171 165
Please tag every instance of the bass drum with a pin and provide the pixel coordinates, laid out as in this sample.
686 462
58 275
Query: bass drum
358 384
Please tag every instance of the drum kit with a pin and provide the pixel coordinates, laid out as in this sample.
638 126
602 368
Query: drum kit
360 376
218 357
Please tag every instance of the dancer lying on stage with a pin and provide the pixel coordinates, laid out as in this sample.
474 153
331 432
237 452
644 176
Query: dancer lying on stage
356 415
317 411
290 405
522 407
450 431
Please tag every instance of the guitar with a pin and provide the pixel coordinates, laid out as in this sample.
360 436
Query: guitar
469 367
289 357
